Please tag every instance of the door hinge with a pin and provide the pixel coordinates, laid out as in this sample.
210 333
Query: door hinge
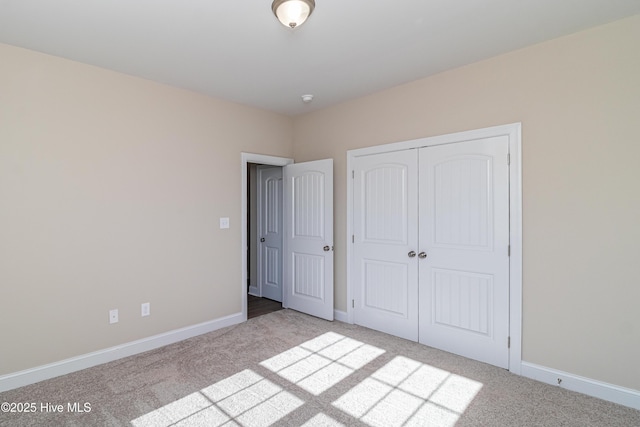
353 238
508 342
508 158
353 174
353 303
509 250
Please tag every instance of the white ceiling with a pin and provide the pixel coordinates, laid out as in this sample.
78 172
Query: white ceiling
237 50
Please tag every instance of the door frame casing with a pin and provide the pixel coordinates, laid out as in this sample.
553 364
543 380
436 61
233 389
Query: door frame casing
245 159
514 133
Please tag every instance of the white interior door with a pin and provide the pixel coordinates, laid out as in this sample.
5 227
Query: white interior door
464 233
385 242
270 232
308 243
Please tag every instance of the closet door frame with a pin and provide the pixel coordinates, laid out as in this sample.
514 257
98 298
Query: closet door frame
513 132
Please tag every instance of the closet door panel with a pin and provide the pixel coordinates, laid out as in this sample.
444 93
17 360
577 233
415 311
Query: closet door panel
385 235
464 231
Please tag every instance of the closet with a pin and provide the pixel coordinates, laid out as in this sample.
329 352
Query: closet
430 245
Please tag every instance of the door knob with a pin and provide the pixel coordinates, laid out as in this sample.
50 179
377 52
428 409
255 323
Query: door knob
422 255
262 239
326 248
412 254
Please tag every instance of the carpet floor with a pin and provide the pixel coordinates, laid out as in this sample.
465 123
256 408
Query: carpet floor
289 369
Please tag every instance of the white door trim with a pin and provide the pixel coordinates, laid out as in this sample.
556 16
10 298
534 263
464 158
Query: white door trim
514 133
246 158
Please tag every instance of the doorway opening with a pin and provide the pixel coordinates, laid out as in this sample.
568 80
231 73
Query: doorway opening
251 292
307 199
265 239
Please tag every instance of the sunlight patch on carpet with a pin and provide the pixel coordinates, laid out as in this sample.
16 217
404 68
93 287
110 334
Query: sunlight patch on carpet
403 392
320 363
409 393
245 397
322 420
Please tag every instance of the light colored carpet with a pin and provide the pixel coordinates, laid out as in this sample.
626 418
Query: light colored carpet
289 369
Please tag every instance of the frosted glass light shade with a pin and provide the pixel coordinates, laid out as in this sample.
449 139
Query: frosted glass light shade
293 13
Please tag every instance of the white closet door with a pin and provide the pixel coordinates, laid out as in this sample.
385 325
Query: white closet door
464 232
308 244
270 232
385 234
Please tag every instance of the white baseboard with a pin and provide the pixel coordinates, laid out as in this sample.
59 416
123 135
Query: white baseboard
601 390
51 370
340 316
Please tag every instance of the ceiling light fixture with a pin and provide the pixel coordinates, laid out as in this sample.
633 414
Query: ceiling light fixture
292 13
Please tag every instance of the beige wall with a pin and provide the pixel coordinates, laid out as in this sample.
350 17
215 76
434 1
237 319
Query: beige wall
110 192
578 99
111 188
